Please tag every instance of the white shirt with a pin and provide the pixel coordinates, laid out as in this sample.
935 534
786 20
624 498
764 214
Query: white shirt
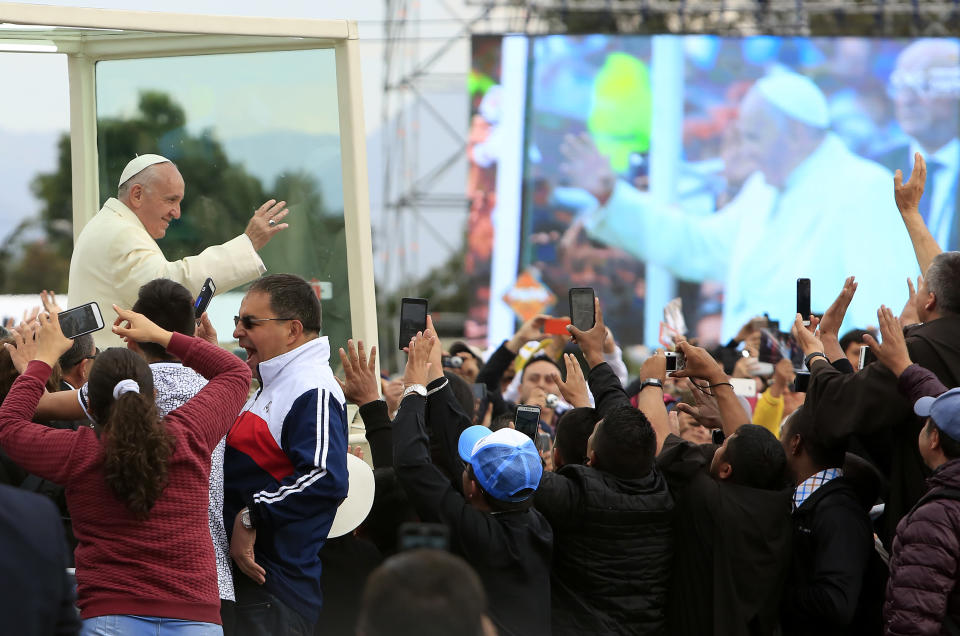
835 217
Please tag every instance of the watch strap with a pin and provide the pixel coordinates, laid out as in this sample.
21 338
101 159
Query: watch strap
812 356
419 389
651 382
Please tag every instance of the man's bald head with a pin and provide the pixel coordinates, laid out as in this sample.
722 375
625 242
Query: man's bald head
925 88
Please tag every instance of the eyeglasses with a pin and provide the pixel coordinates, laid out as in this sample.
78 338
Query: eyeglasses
96 352
250 323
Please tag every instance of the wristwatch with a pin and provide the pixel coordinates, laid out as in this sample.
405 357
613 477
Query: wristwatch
651 382
245 519
419 389
815 354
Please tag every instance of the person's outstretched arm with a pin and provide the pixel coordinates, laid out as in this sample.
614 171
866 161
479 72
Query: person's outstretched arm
908 197
700 364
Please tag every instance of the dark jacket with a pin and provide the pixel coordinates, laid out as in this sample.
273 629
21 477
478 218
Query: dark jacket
868 406
925 563
613 540
510 551
733 548
832 548
36 593
613 547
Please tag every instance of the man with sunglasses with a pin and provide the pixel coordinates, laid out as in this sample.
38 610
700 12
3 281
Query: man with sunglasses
285 463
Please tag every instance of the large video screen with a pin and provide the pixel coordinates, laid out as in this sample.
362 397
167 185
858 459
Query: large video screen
718 170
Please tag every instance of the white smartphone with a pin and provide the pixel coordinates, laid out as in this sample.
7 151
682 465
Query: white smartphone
80 320
745 387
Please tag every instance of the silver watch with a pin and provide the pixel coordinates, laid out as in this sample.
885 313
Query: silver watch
419 389
245 519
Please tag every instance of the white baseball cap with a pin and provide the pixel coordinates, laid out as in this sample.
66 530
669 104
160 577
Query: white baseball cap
355 508
138 165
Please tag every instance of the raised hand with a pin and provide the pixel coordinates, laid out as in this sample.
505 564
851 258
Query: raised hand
654 367
892 353
265 222
805 338
130 325
361 383
705 409
418 359
206 331
574 390
699 364
24 347
908 195
51 343
586 167
436 354
49 301
910 314
833 317
592 340
530 330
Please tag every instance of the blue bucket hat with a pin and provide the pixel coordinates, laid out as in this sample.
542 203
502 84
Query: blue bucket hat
504 462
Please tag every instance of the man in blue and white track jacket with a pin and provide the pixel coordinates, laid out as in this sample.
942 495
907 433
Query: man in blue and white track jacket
285 469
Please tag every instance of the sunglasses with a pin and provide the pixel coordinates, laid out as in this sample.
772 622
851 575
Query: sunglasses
249 322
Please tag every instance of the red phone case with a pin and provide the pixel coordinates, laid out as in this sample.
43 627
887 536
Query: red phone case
556 326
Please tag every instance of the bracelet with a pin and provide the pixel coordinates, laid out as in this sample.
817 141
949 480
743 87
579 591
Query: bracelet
729 384
815 354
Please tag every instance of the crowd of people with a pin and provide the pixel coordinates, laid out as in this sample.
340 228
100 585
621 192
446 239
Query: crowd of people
189 499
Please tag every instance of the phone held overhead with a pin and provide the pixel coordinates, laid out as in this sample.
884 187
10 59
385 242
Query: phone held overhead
582 308
413 319
81 320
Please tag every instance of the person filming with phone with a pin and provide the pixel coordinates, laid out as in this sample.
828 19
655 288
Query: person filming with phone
117 252
137 487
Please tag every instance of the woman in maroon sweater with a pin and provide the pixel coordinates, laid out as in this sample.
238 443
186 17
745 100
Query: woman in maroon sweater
137 486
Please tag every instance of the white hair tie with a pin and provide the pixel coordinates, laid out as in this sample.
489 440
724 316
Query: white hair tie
125 386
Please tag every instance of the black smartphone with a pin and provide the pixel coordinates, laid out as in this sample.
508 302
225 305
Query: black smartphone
803 300
432 536
413 318
480 402
527 421
801 381
582 314
203 298
80 320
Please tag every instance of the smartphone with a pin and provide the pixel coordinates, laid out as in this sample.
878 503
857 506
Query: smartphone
801 381
432 536
744 387
866 356
556 326
582 314
803 300
413 318
80 320
203 299
527 421
674 360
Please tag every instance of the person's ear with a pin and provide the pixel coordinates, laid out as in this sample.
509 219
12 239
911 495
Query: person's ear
725 470
795 443
934 438
136 194
930 302
557 458
294 331
591 457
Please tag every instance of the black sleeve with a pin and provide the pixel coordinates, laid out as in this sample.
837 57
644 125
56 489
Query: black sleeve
495 367
376 422
844 541
445 420
728 356
608 393
842 365
557 498
430 492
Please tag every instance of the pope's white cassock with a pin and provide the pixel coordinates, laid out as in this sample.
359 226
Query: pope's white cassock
835 217
115 255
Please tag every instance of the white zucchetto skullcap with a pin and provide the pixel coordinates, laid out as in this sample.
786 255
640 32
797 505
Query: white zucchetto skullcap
796 96
138 165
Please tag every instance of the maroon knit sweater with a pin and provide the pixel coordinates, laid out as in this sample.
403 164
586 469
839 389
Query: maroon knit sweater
163 566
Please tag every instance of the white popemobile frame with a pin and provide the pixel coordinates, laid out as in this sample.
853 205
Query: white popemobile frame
87 36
